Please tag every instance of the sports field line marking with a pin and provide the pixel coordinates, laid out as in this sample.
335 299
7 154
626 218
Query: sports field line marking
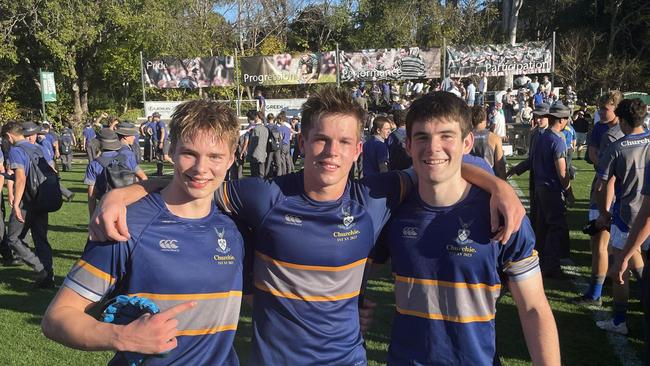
620 345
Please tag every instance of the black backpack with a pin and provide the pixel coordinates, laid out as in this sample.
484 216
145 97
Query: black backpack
116 174
42 189
398 159
275 139
65 143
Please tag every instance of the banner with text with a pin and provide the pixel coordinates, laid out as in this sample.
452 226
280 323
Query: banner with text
499 60
287 69
198 72
390 64
292 107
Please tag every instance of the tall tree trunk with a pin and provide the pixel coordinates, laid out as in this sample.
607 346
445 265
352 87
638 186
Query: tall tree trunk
76 99
613 10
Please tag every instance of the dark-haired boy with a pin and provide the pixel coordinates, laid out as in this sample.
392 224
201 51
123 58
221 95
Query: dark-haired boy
447 268
487 145
184 254
313 233
624 161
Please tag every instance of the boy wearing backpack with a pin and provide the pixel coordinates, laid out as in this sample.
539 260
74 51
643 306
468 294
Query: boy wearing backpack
115 167
274 148
36 185
66 142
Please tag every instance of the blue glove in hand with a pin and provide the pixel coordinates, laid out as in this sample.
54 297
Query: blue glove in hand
123 310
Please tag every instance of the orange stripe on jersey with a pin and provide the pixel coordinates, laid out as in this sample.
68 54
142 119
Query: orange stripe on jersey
311 268
305 297
456 319
189 297
420 281
225 198
95 271
198 332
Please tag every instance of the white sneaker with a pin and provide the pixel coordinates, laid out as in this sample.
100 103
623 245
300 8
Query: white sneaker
609 326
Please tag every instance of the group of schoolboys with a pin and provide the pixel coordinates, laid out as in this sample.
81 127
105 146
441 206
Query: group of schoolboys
312 234
29 145
620 151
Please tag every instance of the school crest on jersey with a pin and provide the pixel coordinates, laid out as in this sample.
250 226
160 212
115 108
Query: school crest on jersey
348 219
222 244
463 232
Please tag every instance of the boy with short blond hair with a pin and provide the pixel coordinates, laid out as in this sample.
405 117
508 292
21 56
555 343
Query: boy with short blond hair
180 239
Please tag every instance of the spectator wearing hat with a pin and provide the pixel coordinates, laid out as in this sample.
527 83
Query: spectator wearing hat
112 146
540 114
551 184
23 218
128 129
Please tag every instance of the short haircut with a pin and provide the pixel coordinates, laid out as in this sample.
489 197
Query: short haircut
270 116
12 127
378 123
399 117
478 115
252 114
439 105
328 101
612 98
632 111
198 116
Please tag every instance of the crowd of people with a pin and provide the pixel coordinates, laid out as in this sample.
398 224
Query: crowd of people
301 244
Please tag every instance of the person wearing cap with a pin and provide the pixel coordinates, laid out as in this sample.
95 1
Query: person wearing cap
540 114
129 130
23 140
551 182
112 145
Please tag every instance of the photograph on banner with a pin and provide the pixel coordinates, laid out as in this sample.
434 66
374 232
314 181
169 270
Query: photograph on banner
499 60
288 69
390 64
191 73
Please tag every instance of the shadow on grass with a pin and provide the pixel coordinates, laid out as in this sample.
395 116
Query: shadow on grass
79 228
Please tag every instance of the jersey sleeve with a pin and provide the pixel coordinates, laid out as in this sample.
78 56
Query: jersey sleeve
606 163
479 162
518 258
645 190
248 200
91 173
559 149
101 269
17 159
383 193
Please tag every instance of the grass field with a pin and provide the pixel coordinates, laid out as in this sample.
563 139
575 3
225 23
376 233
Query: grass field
21 306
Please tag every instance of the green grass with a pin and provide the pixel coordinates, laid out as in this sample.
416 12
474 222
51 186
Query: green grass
21 307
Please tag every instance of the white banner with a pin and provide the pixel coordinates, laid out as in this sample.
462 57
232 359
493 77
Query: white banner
291 107
166 109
